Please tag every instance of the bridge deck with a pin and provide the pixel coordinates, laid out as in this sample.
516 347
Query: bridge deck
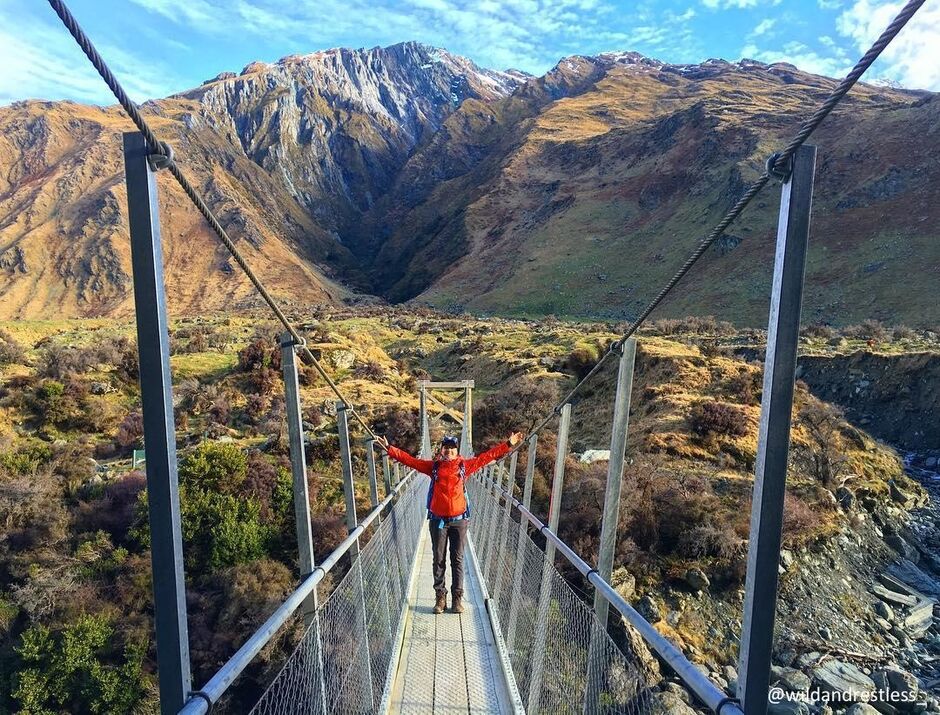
449 662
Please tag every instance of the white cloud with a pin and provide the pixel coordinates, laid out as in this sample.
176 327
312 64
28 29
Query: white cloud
763 27
796 53
913 57
725 4
41 60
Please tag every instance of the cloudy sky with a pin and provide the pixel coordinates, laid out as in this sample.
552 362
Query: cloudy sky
157 47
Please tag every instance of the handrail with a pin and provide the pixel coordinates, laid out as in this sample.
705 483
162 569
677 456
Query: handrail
709 693
199 701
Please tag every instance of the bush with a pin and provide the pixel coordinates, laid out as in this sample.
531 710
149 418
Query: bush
401 426
10 351
799 520
73 670
131 431
868 330
114 511
746 387
693 325
221 526
258 354
214 466
718 418
221 530
62 361
903 332
819 330
582 360
27 458
524 401
370 370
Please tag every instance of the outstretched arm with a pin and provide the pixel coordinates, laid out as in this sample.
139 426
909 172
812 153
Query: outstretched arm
399 455
492 454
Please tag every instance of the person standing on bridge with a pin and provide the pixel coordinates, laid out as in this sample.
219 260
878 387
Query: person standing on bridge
448 507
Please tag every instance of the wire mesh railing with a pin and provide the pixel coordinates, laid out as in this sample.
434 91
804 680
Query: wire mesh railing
346 657
547 629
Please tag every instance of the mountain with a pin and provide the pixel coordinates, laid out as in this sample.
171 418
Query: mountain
582 193
412 173
287 154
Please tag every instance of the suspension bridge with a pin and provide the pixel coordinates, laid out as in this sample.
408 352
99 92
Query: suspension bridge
527 640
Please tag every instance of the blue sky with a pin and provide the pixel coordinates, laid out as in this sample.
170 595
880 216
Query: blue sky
158 47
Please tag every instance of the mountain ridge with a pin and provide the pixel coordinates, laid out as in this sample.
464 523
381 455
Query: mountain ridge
412 173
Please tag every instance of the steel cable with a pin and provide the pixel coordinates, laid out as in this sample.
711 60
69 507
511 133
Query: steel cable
163 150
777 165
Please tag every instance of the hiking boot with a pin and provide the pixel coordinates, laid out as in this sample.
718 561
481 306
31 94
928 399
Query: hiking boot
441 604
457 605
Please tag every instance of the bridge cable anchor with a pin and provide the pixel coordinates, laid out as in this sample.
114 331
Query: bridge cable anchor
781 173
163 158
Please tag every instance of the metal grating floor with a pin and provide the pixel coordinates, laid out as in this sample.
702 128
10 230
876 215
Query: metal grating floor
449 662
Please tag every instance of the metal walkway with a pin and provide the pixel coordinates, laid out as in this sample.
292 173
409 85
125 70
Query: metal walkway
449 662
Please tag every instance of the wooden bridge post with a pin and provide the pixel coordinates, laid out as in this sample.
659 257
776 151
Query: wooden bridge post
545 589
156 395
349 493
783 332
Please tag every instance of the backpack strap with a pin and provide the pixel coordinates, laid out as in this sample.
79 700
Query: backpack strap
434 471
463 478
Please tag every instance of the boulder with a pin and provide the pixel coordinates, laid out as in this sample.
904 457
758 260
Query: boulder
589 456
646 664
787 706
649 609
884 610
900 687
843 681
624 583
861 709
790 679
342 359
679 691
697 579
668 703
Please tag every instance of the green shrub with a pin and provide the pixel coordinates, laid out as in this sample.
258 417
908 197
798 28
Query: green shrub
214 466
27 458
77 670
221 530
222 526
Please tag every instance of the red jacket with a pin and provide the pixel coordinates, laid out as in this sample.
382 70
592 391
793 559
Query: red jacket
447 497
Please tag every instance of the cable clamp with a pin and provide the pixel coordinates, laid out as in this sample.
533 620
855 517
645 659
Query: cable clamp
781 173
162 159
203 696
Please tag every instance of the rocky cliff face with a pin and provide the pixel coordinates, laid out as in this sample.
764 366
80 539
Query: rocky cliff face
288 156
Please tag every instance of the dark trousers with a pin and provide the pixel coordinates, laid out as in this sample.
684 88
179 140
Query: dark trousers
455 534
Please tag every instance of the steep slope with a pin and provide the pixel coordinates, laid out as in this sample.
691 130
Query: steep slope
288 154
583 203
